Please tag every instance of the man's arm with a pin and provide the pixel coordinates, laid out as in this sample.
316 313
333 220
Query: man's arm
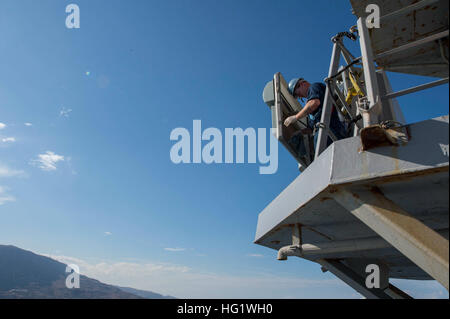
310 107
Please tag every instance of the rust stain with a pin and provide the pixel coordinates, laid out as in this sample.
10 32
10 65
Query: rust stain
287 226
373 136
377 136
396 42
421 51
324 198
409 176
333 190
399 177
276 242
375 190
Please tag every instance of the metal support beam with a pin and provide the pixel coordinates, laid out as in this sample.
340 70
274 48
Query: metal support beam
352 279
345 80
370 116
334 247
297 235
430 38
327 104
295 248
346 54
341 99
407 9
396 293
403 67
416 89
421 244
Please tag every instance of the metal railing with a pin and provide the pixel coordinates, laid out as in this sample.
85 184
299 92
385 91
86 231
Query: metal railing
369 105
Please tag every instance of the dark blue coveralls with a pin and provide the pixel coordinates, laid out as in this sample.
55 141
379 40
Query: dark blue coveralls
317 91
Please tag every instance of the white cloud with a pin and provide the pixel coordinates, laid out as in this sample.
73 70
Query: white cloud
2 126
8 139
47 161
28 124
107 233
185 282
5 197
64 112
5 171
175 249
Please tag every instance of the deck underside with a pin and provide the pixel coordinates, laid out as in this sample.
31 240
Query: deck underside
413 176
400 26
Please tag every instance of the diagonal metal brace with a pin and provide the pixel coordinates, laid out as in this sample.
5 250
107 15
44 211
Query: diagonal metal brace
352 279
421 244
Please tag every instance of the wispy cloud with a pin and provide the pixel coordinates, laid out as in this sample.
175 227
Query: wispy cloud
175 249
185 282
5 171
28 124
4 197
47 161
107 233
2 125
8 139
64 112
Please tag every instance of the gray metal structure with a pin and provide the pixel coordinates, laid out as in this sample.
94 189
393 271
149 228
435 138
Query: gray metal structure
282 105
413 35
379 197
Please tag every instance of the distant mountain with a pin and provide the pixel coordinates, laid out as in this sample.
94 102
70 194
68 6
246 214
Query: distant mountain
145 294
24 274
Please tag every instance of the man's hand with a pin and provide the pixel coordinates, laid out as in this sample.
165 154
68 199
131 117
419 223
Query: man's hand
290 120
310 106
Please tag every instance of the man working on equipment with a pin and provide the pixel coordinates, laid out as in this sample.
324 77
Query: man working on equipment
315 95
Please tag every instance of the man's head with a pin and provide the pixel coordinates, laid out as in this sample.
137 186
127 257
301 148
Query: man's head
298 87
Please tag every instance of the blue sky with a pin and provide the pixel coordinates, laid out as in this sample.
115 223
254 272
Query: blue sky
103 100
